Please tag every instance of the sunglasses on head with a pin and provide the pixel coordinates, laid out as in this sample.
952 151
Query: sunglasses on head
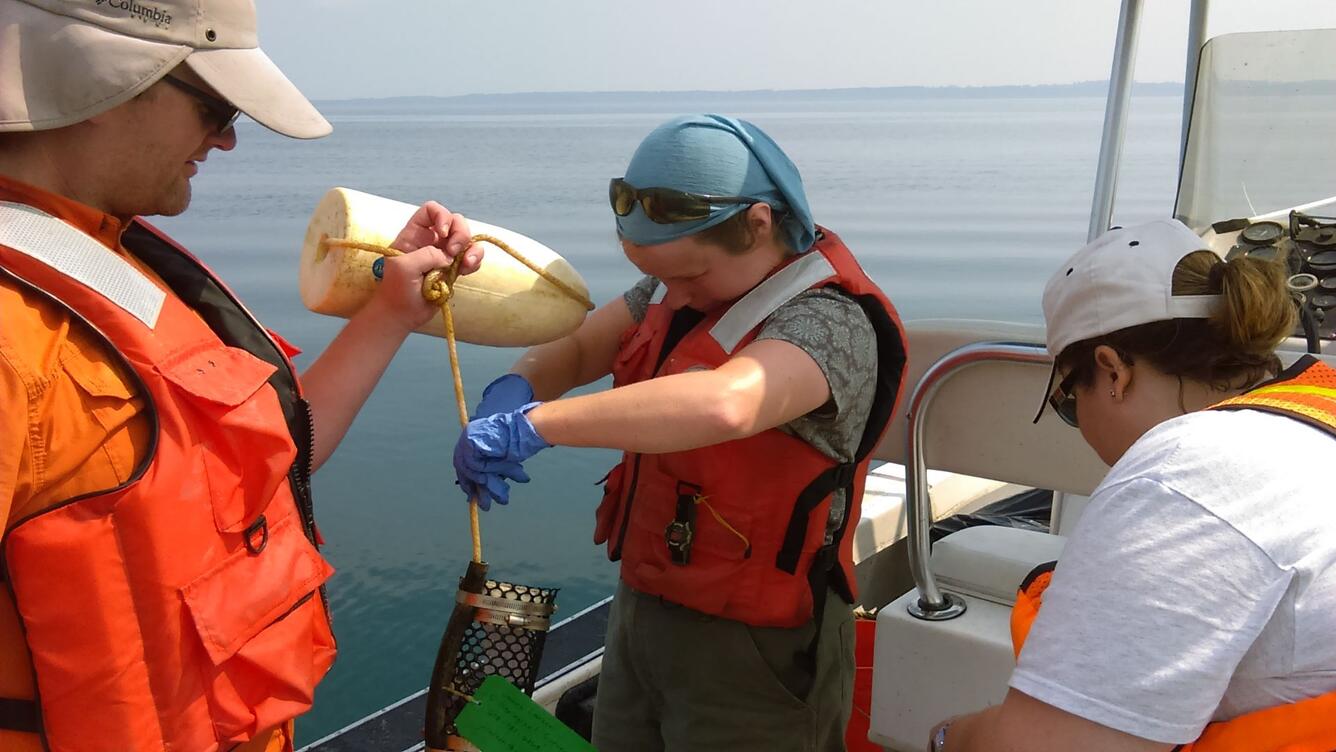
222 113
1063 400
667 205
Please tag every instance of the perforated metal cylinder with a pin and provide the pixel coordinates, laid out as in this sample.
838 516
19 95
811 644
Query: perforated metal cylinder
497 628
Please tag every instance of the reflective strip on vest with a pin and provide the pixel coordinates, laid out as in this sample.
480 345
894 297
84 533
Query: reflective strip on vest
35 233
1305 391
1316 403
778 289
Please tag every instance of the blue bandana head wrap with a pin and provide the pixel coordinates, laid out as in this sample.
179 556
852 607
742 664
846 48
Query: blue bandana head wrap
719 156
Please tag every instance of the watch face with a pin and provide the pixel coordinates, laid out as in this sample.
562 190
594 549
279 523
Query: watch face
1262 233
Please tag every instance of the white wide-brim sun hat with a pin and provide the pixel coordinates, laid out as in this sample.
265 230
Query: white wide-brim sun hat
64 61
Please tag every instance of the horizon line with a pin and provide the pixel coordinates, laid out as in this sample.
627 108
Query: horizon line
712 92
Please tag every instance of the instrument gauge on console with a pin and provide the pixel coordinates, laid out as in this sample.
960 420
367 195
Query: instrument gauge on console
1262 233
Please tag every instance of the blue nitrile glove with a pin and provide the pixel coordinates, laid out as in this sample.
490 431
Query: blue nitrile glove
509 392
490 452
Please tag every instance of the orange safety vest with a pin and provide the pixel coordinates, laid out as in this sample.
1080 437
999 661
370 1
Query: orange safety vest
737 529
1306 392
184 609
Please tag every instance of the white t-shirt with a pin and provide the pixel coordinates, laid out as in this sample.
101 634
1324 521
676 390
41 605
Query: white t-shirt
1199 585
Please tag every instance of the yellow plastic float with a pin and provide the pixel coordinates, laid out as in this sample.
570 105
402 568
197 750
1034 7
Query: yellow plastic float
504 303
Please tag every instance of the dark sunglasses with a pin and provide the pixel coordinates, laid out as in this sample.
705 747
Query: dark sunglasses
1063 400
222 113
666 205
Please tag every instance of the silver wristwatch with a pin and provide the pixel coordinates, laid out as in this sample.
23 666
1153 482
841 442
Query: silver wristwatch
939 739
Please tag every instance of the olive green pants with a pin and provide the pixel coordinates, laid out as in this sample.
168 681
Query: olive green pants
677 680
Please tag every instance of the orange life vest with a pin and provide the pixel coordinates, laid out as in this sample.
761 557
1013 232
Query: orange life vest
738 529
1306 392
184 609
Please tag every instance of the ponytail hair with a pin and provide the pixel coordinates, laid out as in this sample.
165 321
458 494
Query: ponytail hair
1233 349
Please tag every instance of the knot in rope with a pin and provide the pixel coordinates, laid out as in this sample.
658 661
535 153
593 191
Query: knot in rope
438 286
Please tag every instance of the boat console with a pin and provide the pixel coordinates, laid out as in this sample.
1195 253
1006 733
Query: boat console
1307 243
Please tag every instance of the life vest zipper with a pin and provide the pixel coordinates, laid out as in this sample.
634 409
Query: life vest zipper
302 470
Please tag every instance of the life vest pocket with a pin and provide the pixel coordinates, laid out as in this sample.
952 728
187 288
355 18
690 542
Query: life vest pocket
241 436
106 394
715 554
259 618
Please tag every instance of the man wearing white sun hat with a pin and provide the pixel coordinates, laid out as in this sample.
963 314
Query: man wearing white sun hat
163 589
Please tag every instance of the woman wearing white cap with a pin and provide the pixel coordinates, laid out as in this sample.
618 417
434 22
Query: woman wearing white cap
163 587
1196 601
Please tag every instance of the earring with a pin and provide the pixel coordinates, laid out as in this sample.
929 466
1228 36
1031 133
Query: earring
1112 394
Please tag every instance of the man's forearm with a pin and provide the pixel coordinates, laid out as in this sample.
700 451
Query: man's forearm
338 383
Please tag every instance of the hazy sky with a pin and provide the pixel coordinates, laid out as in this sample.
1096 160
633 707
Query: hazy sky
335 49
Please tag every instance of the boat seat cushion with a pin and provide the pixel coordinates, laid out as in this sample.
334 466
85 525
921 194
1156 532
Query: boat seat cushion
990 562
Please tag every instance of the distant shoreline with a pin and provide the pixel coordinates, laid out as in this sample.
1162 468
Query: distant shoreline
735 98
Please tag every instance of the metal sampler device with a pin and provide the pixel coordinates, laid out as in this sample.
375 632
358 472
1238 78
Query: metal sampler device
496 628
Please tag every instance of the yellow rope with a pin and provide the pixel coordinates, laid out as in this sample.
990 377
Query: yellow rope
438 286
705 500
460 695
569 291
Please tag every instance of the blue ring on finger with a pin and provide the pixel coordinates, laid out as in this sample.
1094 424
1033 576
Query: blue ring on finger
378 268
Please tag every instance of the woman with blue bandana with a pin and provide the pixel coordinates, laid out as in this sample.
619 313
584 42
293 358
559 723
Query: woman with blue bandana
754 367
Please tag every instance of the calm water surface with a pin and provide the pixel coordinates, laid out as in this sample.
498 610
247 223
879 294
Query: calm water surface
958 208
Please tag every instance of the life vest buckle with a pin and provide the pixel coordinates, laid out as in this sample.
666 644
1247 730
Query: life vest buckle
678 536
260 528
680 532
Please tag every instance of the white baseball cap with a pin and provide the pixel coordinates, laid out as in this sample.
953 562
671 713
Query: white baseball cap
1121 279
64 61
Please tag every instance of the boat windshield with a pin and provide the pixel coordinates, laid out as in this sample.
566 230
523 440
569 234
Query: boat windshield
1263 128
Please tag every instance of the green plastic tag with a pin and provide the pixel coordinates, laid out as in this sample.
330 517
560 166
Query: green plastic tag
504 719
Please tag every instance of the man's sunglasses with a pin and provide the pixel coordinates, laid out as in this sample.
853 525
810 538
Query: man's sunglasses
1063 400
666 205
222 113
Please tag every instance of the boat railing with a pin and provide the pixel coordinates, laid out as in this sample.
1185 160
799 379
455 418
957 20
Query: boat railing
933 604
